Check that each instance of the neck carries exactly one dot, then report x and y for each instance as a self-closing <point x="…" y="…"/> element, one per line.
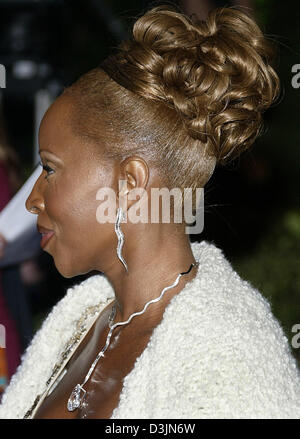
<point x="153" y="264"/>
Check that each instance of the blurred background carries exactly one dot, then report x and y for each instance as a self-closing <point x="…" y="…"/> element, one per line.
<point x="252" y="206"/>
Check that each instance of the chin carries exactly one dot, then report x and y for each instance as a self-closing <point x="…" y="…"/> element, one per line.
<point x="68" y="271"/>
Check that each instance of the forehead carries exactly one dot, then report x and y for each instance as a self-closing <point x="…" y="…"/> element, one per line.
<point x="57" y="136"/>
<point x="56" y="123"/>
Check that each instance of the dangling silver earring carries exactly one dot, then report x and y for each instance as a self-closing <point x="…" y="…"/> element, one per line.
<point x="120" y="235"/>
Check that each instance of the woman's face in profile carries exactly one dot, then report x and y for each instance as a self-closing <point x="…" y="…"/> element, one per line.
<point x="65" y="195"/>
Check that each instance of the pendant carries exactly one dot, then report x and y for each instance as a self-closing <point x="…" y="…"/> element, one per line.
<point x="76" y="398"/>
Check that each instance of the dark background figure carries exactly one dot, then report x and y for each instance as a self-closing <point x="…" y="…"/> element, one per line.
<point x="11" y="353"/>
<point x="252" y="206"/>
<point x="13" y="288"/>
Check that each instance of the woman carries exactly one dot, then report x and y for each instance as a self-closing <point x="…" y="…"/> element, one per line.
<point x="168" y="330"/>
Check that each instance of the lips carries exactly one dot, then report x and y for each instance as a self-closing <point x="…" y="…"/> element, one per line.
<point x="46" y="235"/>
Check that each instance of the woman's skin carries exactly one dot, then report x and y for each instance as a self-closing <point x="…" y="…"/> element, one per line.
<point x="64" y="199"/>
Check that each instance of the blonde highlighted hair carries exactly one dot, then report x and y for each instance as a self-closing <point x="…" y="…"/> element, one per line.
<point x="184" y="93"/>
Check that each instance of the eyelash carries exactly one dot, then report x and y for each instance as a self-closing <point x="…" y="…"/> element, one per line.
<point x="46" y="168"/>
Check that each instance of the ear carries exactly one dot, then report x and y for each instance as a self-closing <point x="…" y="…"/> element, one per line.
<point x="134" y="172"/>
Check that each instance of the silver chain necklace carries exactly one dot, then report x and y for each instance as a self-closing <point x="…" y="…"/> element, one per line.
<point x="78" y="394"/>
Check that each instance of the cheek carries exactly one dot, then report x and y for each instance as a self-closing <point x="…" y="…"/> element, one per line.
<point x="83" y="244"/>
<point x="76" y="218"/>
<point x="72" y="212"/>
<point x="74" y="242"/>
<point x="81" y="241"/>
<point x="69" y="205"/>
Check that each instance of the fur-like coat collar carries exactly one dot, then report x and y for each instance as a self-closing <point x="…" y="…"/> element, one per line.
<point x="218" y="352"/>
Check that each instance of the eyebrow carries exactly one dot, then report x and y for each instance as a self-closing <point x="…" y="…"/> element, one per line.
<point x="51" y="153"/>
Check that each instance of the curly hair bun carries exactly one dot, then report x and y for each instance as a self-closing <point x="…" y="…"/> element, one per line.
<point x="216" y="74"/>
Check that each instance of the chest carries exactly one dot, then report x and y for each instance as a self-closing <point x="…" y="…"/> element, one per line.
<point x="106" y="381"/>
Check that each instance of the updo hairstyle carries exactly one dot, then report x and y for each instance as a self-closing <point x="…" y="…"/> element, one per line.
<point x="184" y="94"/>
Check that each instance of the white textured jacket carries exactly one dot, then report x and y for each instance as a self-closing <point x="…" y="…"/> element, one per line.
<point x="218" y="352"/>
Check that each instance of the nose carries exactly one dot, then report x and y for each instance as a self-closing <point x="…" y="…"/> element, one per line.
<point x="35" y="201"/>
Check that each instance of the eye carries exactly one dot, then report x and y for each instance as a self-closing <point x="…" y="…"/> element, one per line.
<point x="47" y="169"/>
